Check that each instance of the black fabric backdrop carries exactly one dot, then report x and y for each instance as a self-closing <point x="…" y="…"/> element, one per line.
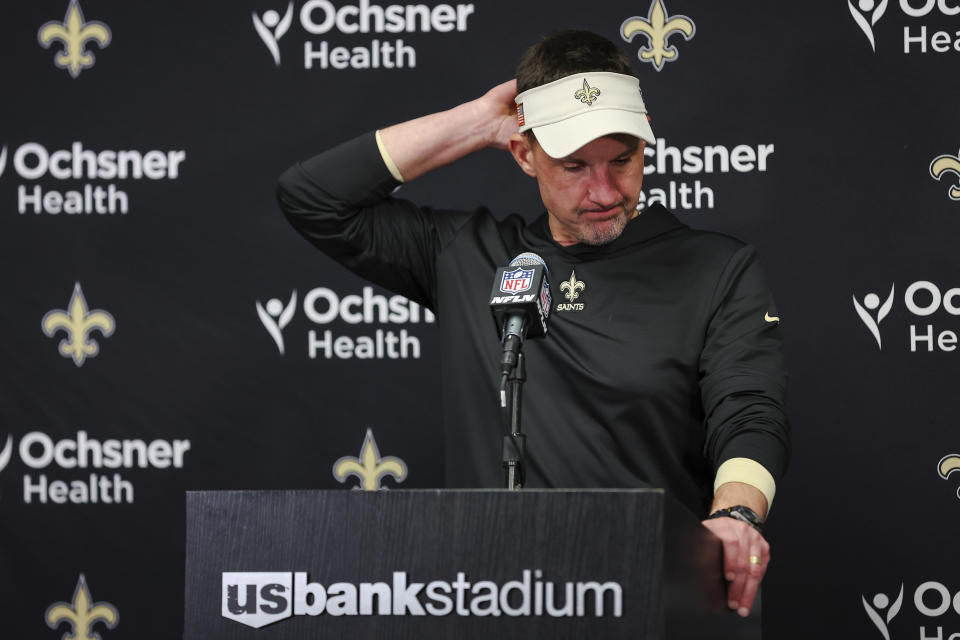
<point x="845" y="207"/>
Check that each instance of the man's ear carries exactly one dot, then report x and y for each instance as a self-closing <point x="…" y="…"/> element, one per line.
<point x="522" y="150"/>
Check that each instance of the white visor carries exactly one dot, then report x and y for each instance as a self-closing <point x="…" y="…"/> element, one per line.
<point x="570" y="112"/>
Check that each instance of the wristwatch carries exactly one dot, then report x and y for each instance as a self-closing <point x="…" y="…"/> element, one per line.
<point x="741" y="513"/>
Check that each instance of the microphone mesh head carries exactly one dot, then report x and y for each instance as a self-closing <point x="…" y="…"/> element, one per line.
<point x="528" y="259"/>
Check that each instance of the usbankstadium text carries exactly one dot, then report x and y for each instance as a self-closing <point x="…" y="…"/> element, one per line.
<point x="257" y="599"/>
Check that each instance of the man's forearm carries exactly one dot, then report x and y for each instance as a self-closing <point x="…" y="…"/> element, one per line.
<point x="424" y="144"/>
<point x="430" y="142"/>
<point x="731" y="494"/>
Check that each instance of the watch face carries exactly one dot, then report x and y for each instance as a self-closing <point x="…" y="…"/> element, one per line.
<point x="741" y="513"/>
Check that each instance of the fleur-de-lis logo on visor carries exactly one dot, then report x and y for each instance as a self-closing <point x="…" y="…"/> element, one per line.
<point x="658" y="28"/>
<point x="74" y="33"/>
<point x="588" y="95"/>
<point x="947" y="164"/>
<point x="78" y="321"/>
<point x="369" y="467"/>
<point x="81" y="614"/>
<point x="572" y="287"/>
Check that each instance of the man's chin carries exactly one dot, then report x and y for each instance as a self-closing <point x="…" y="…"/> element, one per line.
<point x="605" y="231"/>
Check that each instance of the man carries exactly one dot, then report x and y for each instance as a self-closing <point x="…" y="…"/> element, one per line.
<point x="663" y="369"/>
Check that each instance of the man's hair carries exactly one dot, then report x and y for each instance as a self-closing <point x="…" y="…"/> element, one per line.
<point x="564" y="53"/>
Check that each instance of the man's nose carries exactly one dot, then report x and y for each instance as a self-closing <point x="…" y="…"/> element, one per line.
<point x="602" y="189"/>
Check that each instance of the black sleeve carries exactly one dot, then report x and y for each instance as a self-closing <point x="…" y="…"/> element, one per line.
<point x="743" y="382"/>
<point x="340" y="201"/>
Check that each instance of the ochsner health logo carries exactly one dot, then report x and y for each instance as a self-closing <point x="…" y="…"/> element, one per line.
<point x="934" y="613"/>
<point x="361" y="34"/>
<point x="928" y="26"/>
<point x="271" y="28"/>
<point x="6" y="452"/>
<point x="867" y="13"/>
<point x="326" y="310"/>
<point x="871" y="302"/>
<point x="880" y="602"/>
<point x="922" y="299"/>
<point x="275" y="317"/>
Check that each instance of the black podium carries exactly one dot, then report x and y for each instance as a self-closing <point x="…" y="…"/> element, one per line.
<point x="427" y="564"/>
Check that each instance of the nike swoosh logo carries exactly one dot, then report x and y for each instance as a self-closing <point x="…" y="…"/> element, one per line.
<point x="770" y="318"/>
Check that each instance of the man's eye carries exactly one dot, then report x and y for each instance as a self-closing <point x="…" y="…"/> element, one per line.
<point x="622" y="161"/>
<point x="570" y="168"/>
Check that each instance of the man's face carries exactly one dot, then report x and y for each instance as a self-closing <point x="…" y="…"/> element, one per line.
<point x="591" y="194"/>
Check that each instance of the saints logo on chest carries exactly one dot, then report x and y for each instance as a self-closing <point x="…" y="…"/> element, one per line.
<point x="572" y="290"/>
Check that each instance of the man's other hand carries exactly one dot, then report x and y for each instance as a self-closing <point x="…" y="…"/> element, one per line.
<point x="740" y="543"/>
<point x="500" y="112"/>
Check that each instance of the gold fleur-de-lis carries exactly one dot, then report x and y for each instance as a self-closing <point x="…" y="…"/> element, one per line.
<point x="369" y="467"/>
<point x="78" y="322"/>
<point x="572" y="287"/>
<point x="74" y="33"/>
<point x="947" y="164"/>
<point x="658" y="29"/>
<point x="587" y="95"/>
<point x="81" y="615"/>
<point x="947" y="465"/>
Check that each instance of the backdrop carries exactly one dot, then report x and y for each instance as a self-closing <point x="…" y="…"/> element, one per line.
<point x="163" y="329"/>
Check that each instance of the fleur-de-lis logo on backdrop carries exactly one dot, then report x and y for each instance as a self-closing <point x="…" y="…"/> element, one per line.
<point x="944" y="164"/>
<point x="658" y="28"/>
<point x="74" y="33"/>
<point x="78" y="321"/>
<point x="881" y="602"/>
<point x="573" y="287"/>
<point x="588" y="95"/>
<point x="369" y="467"/>
<point x="81" y="615"/>
<point x="947" y="465"/>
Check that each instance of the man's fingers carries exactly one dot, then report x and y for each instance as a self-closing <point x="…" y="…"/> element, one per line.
<point x="734" y="567"/>
<point x="757" y="567"/>
<point x="505" y="92"/>
<point x="731" y="551"/>
<point x="740" y="544"/>
<point x="749" y="593"/>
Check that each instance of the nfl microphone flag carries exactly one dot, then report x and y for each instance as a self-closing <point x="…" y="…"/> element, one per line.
<point x="522" y="288"/>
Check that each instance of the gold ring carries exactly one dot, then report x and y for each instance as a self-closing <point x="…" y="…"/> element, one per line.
<point x="754" y="559"/>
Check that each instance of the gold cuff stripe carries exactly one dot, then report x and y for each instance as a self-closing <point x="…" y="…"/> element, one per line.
<point x="748" y="472"/>
<point x="387" y="160"/>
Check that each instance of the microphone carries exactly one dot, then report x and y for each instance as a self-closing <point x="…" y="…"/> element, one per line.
<point x="520" y="302"/>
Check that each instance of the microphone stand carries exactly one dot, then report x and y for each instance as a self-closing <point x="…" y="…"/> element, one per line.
<point x="515" y="442"/>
